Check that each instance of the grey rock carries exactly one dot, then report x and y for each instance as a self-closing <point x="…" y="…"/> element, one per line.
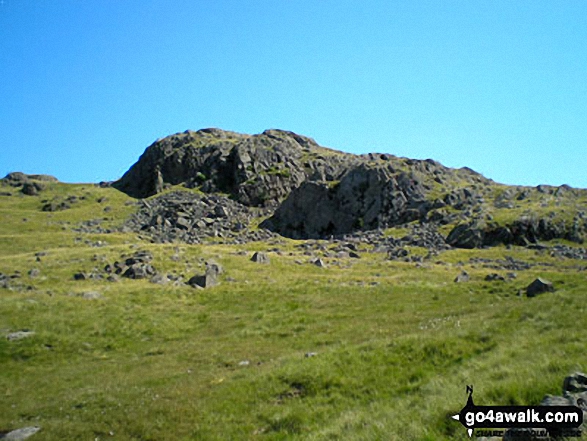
<point x="160" y="279"/>
<point x="20" y="434"/>
<point x="91" y="295"/>
<point x="203" y="281"/>
<point x="576" y="382"/>
<point x="493" y="277"/>
<point x="319" y="263"/>
<point x="19" y="335"/>
<point x="260" y="257"/>
<point x="463" y="276"/>
<point x="539" y="286"/>
<point x="32" y="188"/>
<point x="466" y="236"/>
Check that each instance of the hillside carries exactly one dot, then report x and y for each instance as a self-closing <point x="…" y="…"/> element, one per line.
<point x="263" y="287"/>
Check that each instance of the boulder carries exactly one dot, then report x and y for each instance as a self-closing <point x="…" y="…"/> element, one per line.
<point x="367" y="197"/>
<point x="463" y="276"/>
<point x="203" y="281"/>
<point x="20" y="434"/>
<point x="260" y="257"/>
<point x="539" y="286"/>
<point x="19" y="335"/>
<point x="468" y="236"/>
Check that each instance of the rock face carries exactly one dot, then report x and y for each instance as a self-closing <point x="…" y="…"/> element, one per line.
<point x="255" y="170"/>
<point x="366" y="198"/>
<point x="522" y="232"/>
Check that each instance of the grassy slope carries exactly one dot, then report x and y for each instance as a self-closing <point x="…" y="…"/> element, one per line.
<point x="395" y="344"/>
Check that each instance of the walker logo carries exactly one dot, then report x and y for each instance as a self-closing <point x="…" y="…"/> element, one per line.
<point x="550" y="419"/>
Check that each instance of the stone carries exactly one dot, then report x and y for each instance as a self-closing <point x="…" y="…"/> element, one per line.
<point x="160" y="279"/>
<point x="539" y="286"/>
<point x="203" y="281"/>
<point x="34" y="273"/>
<point x="463" y="276"/>
<point x="467" y="236"/>
<point x="91" y="295"/>
<point x="494" y="277"/>
<point x="32" y="188"/>
<point x="574" y="383"/>
<point x="20" y="434"/>
<point x="260" y="257"/>
<point x="319" y="263"/>
<point x="213" y="268"/>
<point x="19" y="335"/>
<point x="81" y="276"/>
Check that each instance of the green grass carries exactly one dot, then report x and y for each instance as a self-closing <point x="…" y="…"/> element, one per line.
<point x="395" y="343"/>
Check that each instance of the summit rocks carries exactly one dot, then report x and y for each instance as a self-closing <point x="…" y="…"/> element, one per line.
<point x="290" y="186"/>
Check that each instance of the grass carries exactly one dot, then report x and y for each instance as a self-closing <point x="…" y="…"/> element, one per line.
<point x="395" y="344"/>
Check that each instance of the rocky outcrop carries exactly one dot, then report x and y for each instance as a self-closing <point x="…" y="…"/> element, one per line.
<point x="366" y="198"/>
<point x="306" y="191"/>
<point x="524" y="231"/>
<point x="255" y="170"/>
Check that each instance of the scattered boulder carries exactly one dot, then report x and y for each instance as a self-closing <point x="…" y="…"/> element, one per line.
<point x="209" y="278"/>
<point x="203" y="281"/>
<point x="32" y="188"/>
<point x="20" y="434"/>
<point x="34" y="273"/>
<point x="91" y="295"/>
<point x="55" y="206"/>
<point x="493" y="277"/>
<point x="575" y="383"/>
<point x="463" y="276"/>
<point x="319" y="263"/>
<point x="19" y="335"/>
<point x="467" y="236"/>
<point x="260" y="257"/>
<point x="539" y="286"/>
<point x="160" y="279"/>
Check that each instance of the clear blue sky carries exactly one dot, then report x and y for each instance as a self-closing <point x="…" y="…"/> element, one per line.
<point x="496" y="85"/>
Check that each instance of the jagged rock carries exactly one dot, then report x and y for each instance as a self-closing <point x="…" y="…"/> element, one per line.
<point x="255" y="170"/>
<point x="539" y="286"/>
<point x="260" y="257"/>
<point x="324" y="192"/>
<point x="366" y="198"/>
<point x="466" y="236"/>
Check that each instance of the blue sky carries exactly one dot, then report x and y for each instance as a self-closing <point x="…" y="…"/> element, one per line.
<point x="499" y="86"/>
